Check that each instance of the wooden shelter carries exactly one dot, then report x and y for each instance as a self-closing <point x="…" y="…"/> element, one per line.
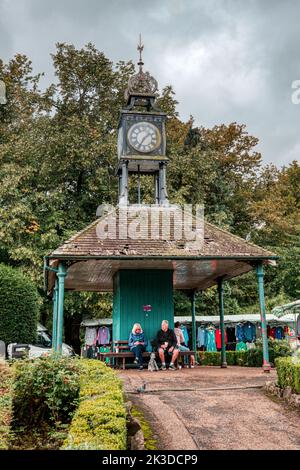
<point x="145" y="269"/>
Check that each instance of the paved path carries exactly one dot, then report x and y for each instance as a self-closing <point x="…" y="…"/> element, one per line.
<point x="213" y="408"/>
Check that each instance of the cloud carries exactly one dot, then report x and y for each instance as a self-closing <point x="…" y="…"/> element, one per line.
<point x="228" y="60"/>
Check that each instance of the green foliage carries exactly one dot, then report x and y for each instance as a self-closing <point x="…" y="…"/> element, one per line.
<point x="57" y="164"/>
<point x="45" y="391"/>
<point x="209" y="358"/>
<point x="288" y="373"/>
<point x="5" y="405"/>
<point x="250" y="358"/>
<point x="19" y="307"/>
<point x="100" y="420"/>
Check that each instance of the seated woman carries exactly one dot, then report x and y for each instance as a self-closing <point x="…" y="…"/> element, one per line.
<point x="137" y="343"/>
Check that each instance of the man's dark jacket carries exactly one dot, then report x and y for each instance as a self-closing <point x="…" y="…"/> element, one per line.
<point x="169" y="336"/>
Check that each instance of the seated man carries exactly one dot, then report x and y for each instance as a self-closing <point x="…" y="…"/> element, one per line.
<point x="167" y="344"/>
<point x="182" y="346"/>
<point x="137" y="343"/>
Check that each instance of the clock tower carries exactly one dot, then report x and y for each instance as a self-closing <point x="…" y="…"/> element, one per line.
<point x="142" y="136"/>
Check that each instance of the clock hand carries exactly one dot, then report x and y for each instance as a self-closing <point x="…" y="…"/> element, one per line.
<point x="147" y="135"/>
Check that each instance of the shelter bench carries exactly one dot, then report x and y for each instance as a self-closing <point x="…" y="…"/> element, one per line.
<point x="123" y="355"/>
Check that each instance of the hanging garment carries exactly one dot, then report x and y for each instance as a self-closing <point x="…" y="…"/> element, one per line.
<point x="250" y="346"/>
<point x="218" y="337"/>
<point x="201" y="337"/>
<point x="104" y="349"/>
<point x="210" y="340"/>
<point x="185" y="334"/>
<point x="230" y="331"/>
<point x="241" y="346"/>
<point x="258" y="332"/>
<point x="103" y="336"/>
<point x="239" y="332"/>
<point x="90" y="352"/>
<point x="279" y="332"/>
<point x="286" y="331"/>
<point x="291" y="332"/>
<point x="249" y="332"/>
<point x="272" y="332"/>
<point x="90" y="336"/>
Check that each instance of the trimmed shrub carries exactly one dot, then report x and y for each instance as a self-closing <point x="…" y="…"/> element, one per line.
<point x="19" y="307"/>
<point x="45" y="391"/>
<point x="231" y="358"/>
<point x="5" y="404"/>
<point x="209" y="358"/>
<point x="250" y="358"/>
<point x="100" y="420"/>
<point x="288" y="373"/>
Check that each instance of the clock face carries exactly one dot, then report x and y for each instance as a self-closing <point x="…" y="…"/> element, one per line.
<point x="144" y="137"/>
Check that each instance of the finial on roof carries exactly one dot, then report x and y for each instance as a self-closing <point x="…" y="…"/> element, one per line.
<point x="141" y="83"/>
<point x="140" y="48"/>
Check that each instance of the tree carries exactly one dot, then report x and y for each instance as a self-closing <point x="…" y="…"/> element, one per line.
<point x="57" y="164"/>
<point x="19" y="307"/>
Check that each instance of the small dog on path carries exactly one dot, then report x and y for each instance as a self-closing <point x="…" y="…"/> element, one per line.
<point x="152" y="365"/>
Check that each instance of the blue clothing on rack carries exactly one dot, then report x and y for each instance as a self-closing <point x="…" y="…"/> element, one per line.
<point x="240" y="333"/>
<point x="185" y="334"/>
<point x="201" y="337"/>
<point x="249" y="331"/>
<point x="279" y="332"/>
<point x="210" y="340"/>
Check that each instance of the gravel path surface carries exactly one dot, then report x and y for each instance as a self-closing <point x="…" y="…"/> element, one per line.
<point x="214" y="414"/>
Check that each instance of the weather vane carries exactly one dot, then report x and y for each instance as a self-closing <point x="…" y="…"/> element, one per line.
<point x="140" y="48"/>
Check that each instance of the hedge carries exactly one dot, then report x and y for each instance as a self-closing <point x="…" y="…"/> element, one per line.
<point x="5" y="404"/>
<point x="19" y="307"/>
<point x="250" y="358"/>
<point x="288" y="373"/>
<point x="99" y="423"/>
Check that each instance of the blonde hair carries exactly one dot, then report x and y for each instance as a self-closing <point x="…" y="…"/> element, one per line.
<point x="135" y="326"/>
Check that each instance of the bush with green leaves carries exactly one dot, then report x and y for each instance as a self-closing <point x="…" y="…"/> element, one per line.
<point x="6" y="378"/>
<point x="99" y="423"/>
<point x="45" y="391"/>
<point x="288" y="373"/>
<point x="19" y="307"/>
<point x="250" y="358"/>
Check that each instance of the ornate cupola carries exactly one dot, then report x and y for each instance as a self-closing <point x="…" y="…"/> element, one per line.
<point x="142" y="135"/>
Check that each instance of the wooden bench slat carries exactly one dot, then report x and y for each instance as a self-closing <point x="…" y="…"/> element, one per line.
<point x="129" y="354"/>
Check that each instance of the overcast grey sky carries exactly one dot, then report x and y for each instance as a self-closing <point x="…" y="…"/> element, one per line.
<point x="228" y="60"/>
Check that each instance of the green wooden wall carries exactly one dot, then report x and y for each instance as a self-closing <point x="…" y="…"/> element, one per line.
<point x="135" y="288"/>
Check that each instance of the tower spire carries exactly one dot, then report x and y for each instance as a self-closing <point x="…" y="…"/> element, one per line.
<point x="140" y="48"/>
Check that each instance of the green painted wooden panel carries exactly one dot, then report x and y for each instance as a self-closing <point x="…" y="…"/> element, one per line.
<point x="116" y="307"/>
<point x="133" y="289"/>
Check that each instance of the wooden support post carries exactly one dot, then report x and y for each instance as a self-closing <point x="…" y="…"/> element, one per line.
<point x="62" y="272"/>
<point x="222" y="328"/>
<point x="262" y="307"/>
